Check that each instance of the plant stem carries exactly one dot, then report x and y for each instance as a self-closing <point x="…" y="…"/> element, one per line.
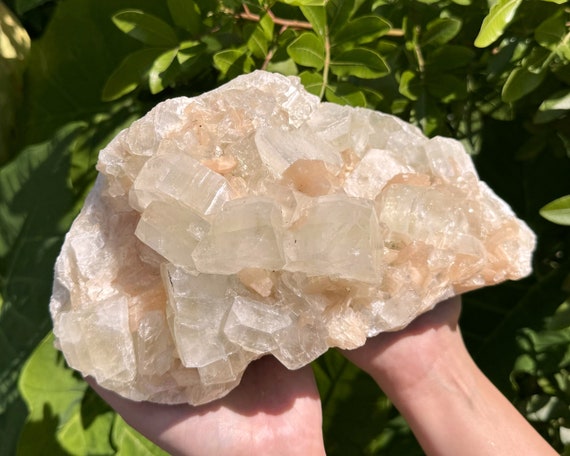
<point x="268" y="57"/>
<point x="563" y="42"/>
<point x="418" y="51"/>
<point x="327" y="62"/>
<point x="289" y="23"/>
<point x="249" y="16"/>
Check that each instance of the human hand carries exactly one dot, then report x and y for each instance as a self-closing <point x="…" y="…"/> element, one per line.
<point x="450" y="405"/>
<point x="273" y="411"/>
<point x="398" y="360"/>
<point x="424" y="369"/>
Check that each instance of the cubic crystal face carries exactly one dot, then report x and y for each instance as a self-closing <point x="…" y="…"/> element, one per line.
<point x="255" y="220"/>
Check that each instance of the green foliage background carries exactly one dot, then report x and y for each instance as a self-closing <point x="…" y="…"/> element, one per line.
<point x="494" y="75"/>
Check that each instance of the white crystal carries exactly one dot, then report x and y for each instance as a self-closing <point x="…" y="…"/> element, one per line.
<point x="335" y="236"/>
<point x="172" y="230"/>
<point x="279" y="148"/>
<point x="173" y="175"/>
<point x="246" y="233"/>
<point x="254" y="220"/>
<point x="108" y="347"/>
<point x="371" y="175"/>
<point x="251" y="324"/>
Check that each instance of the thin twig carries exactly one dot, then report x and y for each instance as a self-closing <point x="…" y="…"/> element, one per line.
<point x="249" y="16"/>
<point x="268" y="57"/>
<point x="286" y="23"/>
<point x="395" y="32"/>
<point x="326" y="63"/>
<point x="418" y="51"/>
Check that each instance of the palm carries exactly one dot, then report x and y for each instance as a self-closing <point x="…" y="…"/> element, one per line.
<point x="273" y="411"/>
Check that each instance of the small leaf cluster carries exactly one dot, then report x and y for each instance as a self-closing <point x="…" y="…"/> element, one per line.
<point x="531" y="57"/>
<point x="530" y="60"/>
<point x="171" y="49"/>
<point x="541" y="376"/>
<point x="415" y="57"/>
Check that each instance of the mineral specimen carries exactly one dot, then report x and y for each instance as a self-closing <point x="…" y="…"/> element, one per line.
<point x="256" y="220"/>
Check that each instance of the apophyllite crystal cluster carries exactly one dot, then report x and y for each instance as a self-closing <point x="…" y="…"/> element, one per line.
<point x="256" y="220"/>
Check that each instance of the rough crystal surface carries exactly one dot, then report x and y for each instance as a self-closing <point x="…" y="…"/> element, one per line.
<point x="256" y="220"/>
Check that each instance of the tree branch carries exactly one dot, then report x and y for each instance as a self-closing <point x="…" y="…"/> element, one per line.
<point x="289" y="23"/>
<point x="249" y="16"/>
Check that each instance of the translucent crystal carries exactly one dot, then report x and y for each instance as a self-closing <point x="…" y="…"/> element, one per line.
<point x="279" y="148"/>
<point x="108" y="347"/>
<point x="173" y="175"/>
<point x="196" y="318"/>
<point x="172" y="230"/>
<point x="255" y="220"/>
<point x="336" y="235"/>
<point x="251" y="324"/>
<point x="245" y="233"/>
<point x="374" y="171"/>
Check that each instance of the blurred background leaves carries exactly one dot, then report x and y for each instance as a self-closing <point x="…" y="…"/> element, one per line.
<point x="493" y="75"/>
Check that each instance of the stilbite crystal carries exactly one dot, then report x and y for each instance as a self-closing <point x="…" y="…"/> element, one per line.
<point x="256" y="220"/>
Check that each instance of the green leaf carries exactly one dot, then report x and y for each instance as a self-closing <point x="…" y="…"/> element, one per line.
<point x="31" y="233"/>
<point x="345" y="94"/>
<point x="146" y="28"/>
<point x="446" y="87"/>
<point x="313" y="82"/>
<point x="14" y="52"/>
<point x="23" y="6"/>
<point x="186" y="15"/>
<point x="130" y="73"/>
<point x="224" y="60"/>
<point x="339" y="13"/>
<point x="286" y="67"/>
<point x="554" y="107"/>
<point x="537" y="60"/>
<point x="233" y="62"/>
<point x="553" y="34"/>
<point x="130" y="442"/>
<point x="494" y="24"/>
<point x="32" y="227"/>
<point x="308" y="50"/>
<point x="496" y="315"/>
<point x="449" y="57"/>
<point x="440" y="31"/>
<point x="361" y="63"/>
<point x="363" y="29"/>
<point x="551" y="31"/>
<point x="410" y="85"/>
<point x="427" y="114"/>
<point x="68" y="67"/>
<point x="520" y="83"/>
<point x="562" y="73"/>
<point x="557" y="211"/>
<point x="317" y="17"/>
<point x="58" y="399"/>
<point x="189" y="50"/>
<point x="157" y="79"/>
<point x="354" y="410"/>
<point x="561" y="318"/>
<point x="260" y="38"/>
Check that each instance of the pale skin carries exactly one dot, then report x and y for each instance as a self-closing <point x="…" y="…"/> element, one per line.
<point x="424" y="369"/>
